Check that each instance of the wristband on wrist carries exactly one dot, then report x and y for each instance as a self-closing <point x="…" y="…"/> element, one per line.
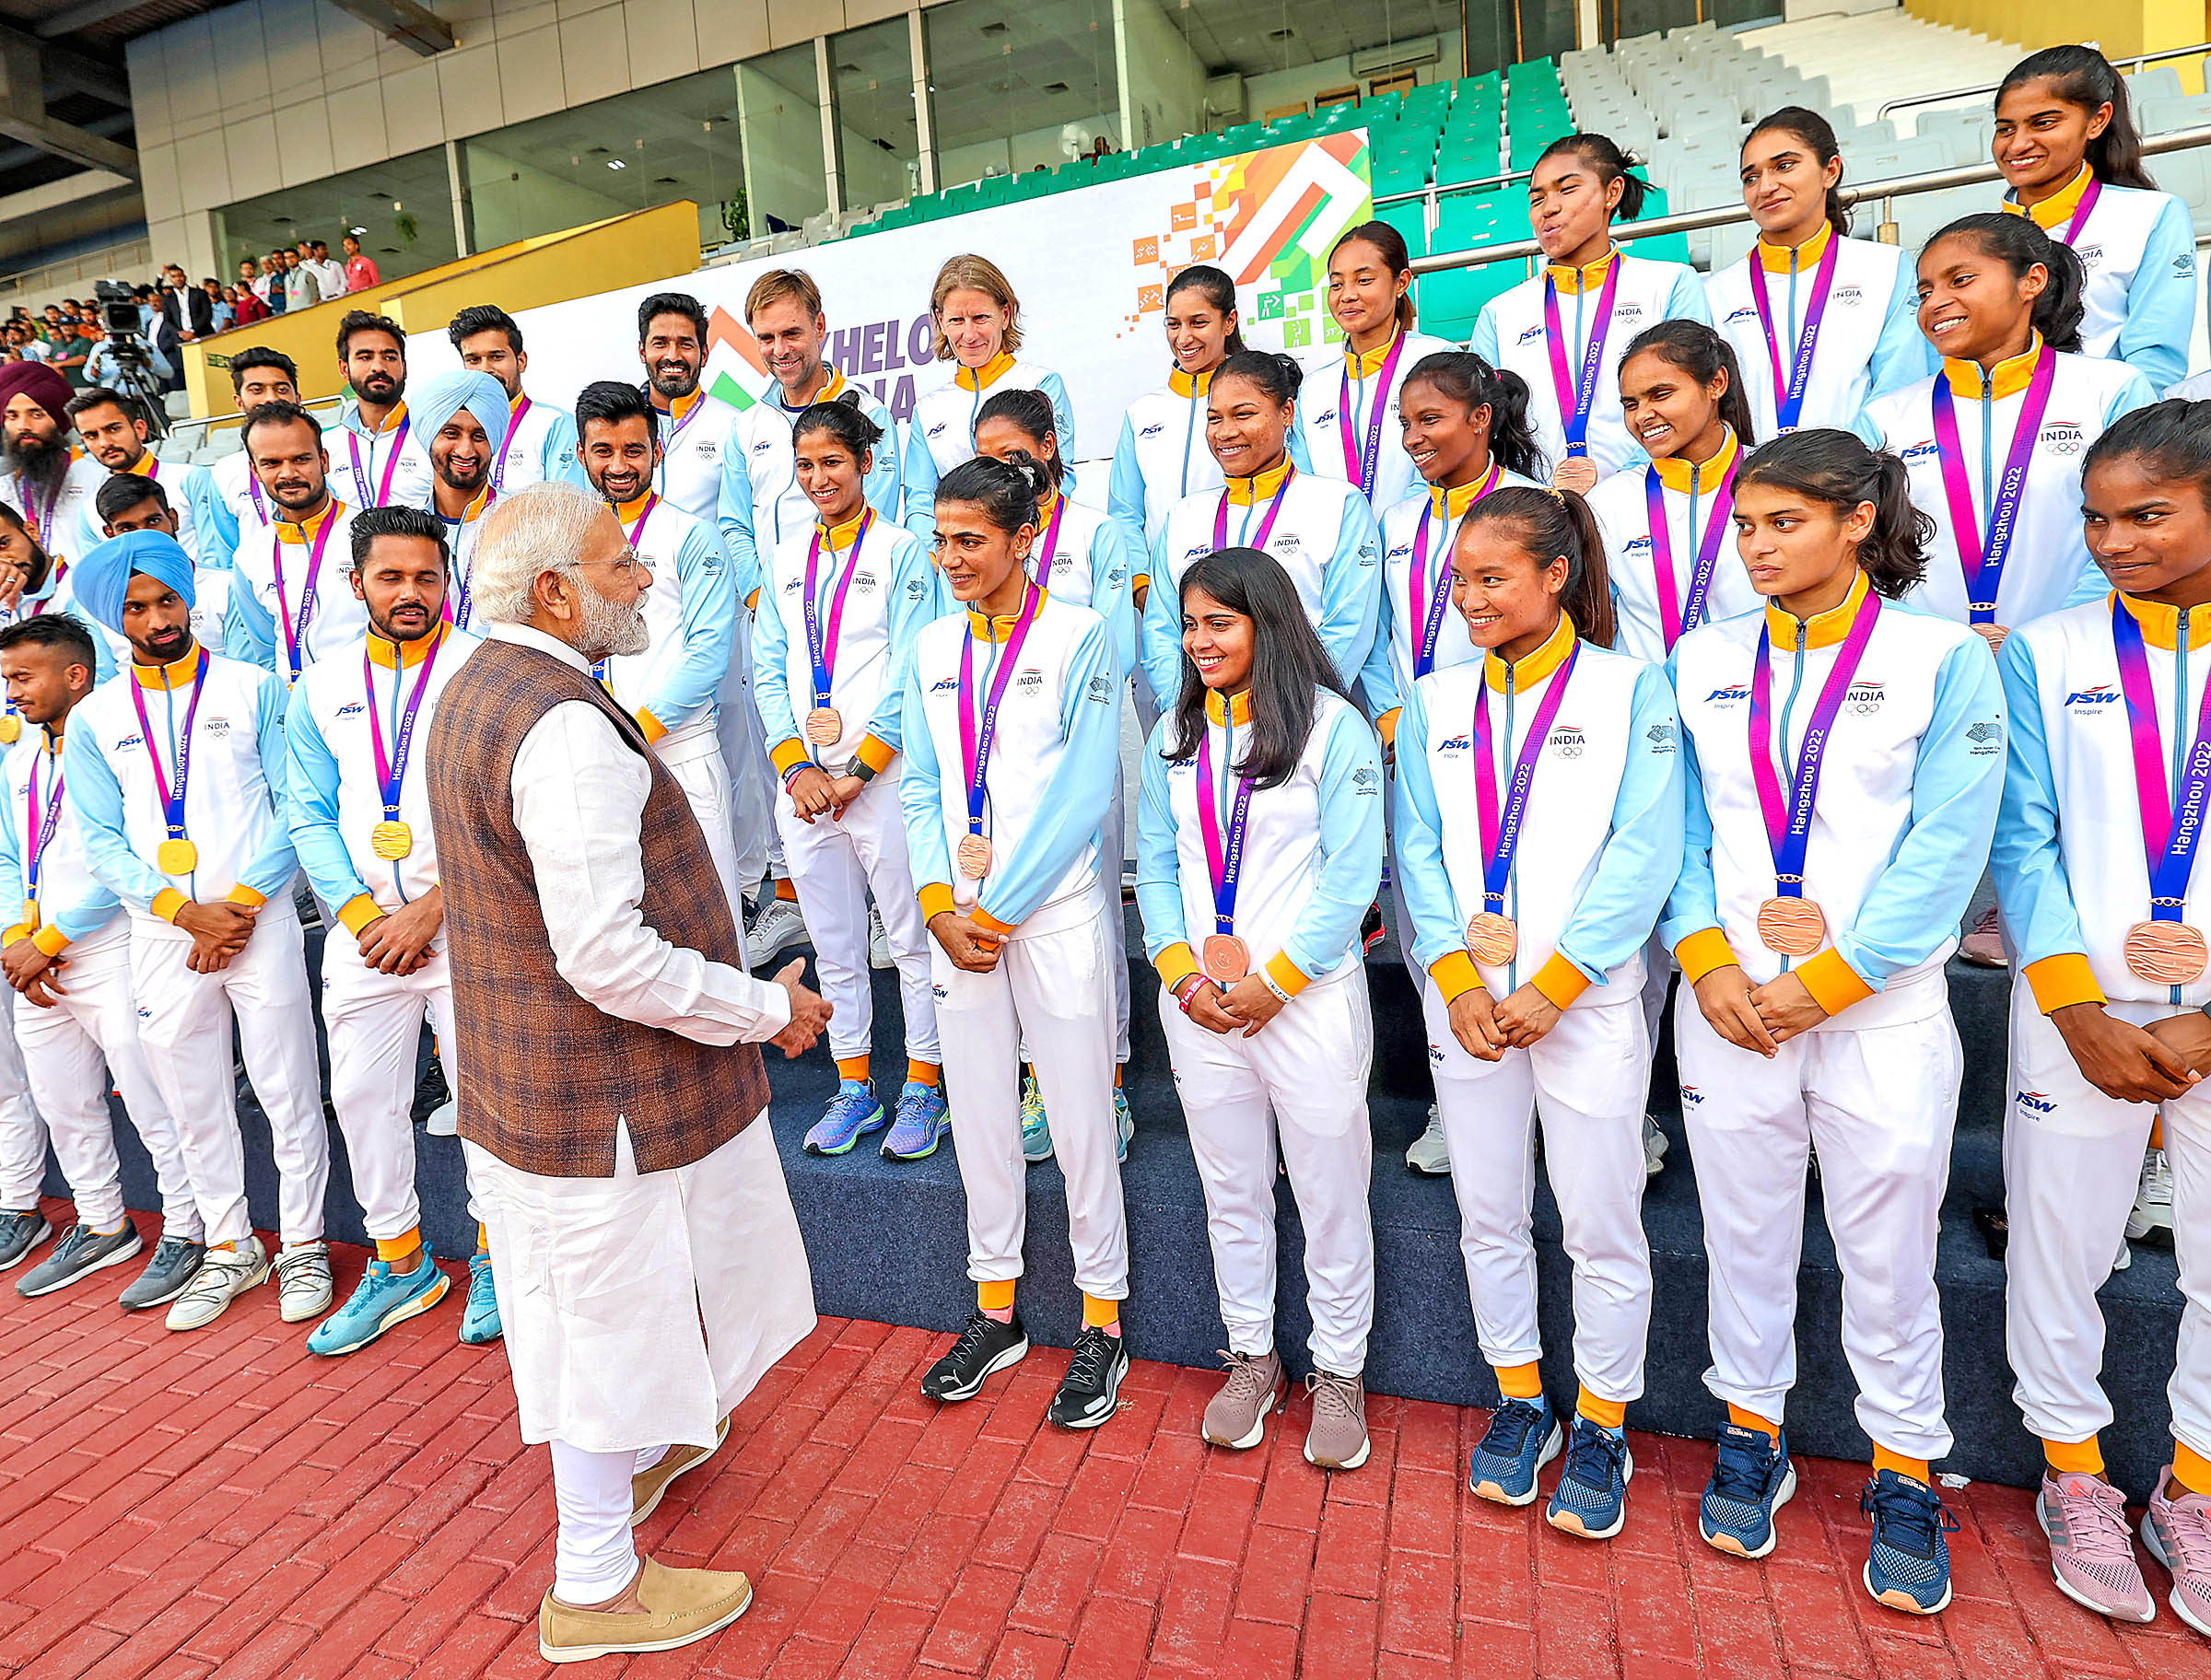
<point x="805" y="764"/>
<point x="1186" y="989"/>
<point x="1268" y="980"/>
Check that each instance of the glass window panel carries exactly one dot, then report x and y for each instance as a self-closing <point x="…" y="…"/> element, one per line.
<point x="873" y="69"/>
<point x="778" y="102"/>
<point x="1018" y="86"/>
<point x="403" y="207"/>
<point x="1291" y="53"/>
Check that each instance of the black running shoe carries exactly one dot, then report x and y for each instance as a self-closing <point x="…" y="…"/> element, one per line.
<point x="1092" y="1391"/>
<point x="985" y="1345"/>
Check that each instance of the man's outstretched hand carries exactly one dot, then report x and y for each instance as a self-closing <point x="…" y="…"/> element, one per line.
<point x="808" y="1012"/>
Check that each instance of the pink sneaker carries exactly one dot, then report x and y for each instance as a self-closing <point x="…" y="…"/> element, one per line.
<point x="1984" y="947"/>
<point x="2091" y="1552"/>
<point x="2178" y="1532"/>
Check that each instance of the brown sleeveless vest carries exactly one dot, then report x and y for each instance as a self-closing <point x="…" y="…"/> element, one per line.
<point x="543" y="1074"/>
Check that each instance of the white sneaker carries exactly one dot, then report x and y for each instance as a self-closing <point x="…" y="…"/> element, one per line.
<point x="774" y="930"/>
<point x="2127" y="1258"/>
<point x="303" y="1282"/>
<point x="223" y="1277"/>
<point x="1654" y="1145"/>
<point x="879" y="942"/>
<point x="1429" y="1153"/>
<point x="445" y="1120"/>
<point x="2153" y="1201"/>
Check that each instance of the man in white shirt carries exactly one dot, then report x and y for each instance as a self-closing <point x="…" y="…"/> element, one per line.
<point x="330" y="273"/>
<point x="381" y="460"/>
<point x="540" y="439"/>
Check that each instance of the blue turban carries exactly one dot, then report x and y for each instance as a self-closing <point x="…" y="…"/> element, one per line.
<point x="437" y="399"/>
<point x="102" y="577"/>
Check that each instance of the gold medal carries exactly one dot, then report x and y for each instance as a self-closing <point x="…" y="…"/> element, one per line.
<point x="2165" y="954"/>
<point x="1793" y="927"/>
<point x="824" y="725"/>
<point x="1225" y="958"/>
<point x="1492" y="939"/>
<point x="11" y="729"/>
<point x="975" y="856"/>
<point x="390" y="841"/>
<point x="176" y="856"/>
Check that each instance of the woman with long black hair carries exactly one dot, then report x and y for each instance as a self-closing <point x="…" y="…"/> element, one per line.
<point x="1161" y="456"/>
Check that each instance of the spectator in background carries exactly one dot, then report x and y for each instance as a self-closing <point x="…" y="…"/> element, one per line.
<point x="274" y="295"/>
<point x="34" y="348"/>
<point x="330" y="273"/>
<point x="248" y="305"/>
<point x="301" y="290"/>
<point x="70" y="352"/>
<point x="360" y="272"/>
<point x="188" y="309"/>
<point x="52" y="332"/>
<point x="219" y="311"/>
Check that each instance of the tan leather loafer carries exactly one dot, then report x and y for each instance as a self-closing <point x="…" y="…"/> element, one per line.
<point x="681" y="1606"/>
<point x="647" y="1486"/>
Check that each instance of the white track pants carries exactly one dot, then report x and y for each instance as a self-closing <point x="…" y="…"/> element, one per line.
<point x="375" y="1020"/>
<point x="1421" y="987"/>
<point x="184" y="1024"/>
<point x="694" y="760"/>
<point x="1587" y="1076"/>
<point x="1880" y="1105"/>
<point x="1052" y="991"/>
<point x="1115" y="853"/>
<point x="22" y="1134"/>
<point x="70" y="1051"/>
<point x="1300" y="1084"/>
<point x="756" y="848"/>
<point x="2072" y="1160"/>
<point x="835" y="865"/>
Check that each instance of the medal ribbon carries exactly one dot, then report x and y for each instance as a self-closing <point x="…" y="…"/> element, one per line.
<point x="2080" y="211"/>
<point x="1223" y="855"/>
<point x="295" y="630"/>
<point x="1673" y="620"/>
<point x="1577" y="396"/>
<point x="1501" y="830"/>
<point x="1428" y="601"/>
<point x="821" y="645"/>
<point x="1983" y="557"/>
<point x="514" y="424"/>
<point x="1266" y="525"/>
<point x="1051" y="540"/>
<point x="353" y="449"/>
<point x="172" y="797"/>
<point x="1789" y="389"/>
<point x="652" y="500"/>
<point x="975" y="737"/>
<point x="392" y="770"/>
<point x="1789" y="823"/>
<point x="2177" y="826"/>
<point x="1359" y="463"/>
<point x="41" y="828"/>
<point x="459" y="614"/>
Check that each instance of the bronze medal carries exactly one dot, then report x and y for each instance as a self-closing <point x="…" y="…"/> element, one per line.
<point x="1492" y="939"/>
<point x="1225" y="958"/>
<point x="1793" y="927"/>
<point x="975" y="856"/>
<point x="824" y="725"/>
<point x="176" y="856"/>
<point x="2165" y="954"/>
<point x="390" y="841"/>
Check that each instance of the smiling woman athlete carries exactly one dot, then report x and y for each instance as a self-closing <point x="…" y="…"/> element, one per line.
<point x="1161" y="457"/>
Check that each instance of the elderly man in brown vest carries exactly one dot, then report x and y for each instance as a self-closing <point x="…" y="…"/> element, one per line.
<point x="612" y="1095"/>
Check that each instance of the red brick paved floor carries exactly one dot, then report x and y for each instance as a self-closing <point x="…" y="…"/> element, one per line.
<point x="224" y="1503"/>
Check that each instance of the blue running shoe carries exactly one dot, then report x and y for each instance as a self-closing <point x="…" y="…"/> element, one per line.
<point x="1751" y="1479"/>
<point x="921" y="1124"/>
<point x="480" y="1319"/>
<point x="1036" y="1130"/>
<point x="1124" y="1124"/>
<point x="1591" y="1498"/>
<point x="1521" y="1438"/>
<point x="1909" y="1566"/>
<point x="853" y="1113"/>
<point x="383" y="1298"/>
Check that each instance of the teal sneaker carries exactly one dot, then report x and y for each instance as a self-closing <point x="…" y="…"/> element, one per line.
<point x="1124" y="1124"/>
<point x="480" y="1317"/>
<point x="921" y="1124"/>
<point x="1036" y="1130"/>
<point x="853" y="1113"/>
<point x="383" y="1298"/>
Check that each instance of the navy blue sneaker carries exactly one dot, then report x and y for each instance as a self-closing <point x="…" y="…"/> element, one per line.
<point x="1751" y="1479"/>
<point x="1523" y="1436"/>
<point x="1909" y="1566"/>
<point x="1591" y="1498"/>
<point x="852" y="1113"/>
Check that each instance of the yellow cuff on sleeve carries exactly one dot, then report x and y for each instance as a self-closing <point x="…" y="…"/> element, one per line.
<point x="1455" y="976"/>
<point x="1833" y="983"/>
<point x="876" y="754"/>
<point x="21" y="930"/>
<point x="1140" y="583"/>
<point x="2060" y="981"/>
<point x="1286" y="974"/>
<point x="1558" y="980"/>
<point x="1388" y="724"/>
<point x="751" y="601"/>
<point x="246" y="896"/>
<point x="51" y="940"/>
<point x="989" y="924"/>
<point x="168" y="902"/>
<point x="654" y="729"/>
<point x="1175" y="964"/>
<point x="358" y="912"/>
<point x="787" y="755"/>
<point x="936" y="899"/>
<point x="1703" y="951"/>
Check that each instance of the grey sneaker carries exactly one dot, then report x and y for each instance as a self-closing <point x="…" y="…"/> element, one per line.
<point x="176" y="1262"/>
<point x="224" y="1276"/>
<point x="2153" y="1201"/>
<point x="1654" y="1145"/>
<point x="1237" y="1417"/>
<point x="81" y="1252"/>
<point x="445" y="1120"/>
<point x="303" y="1288"/>
<point x="879" y="942"/>
<point x="19" y="1233"/>
<point x="1337" y="1439"/>
<point x="1429" y="1153"/>
<point x="774" y="930"/>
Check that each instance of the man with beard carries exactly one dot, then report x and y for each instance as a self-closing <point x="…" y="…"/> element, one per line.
<point x="464" y="416"/>
<point x="612" y="1099"/>
<point x="258" y="375"/>
<point x="540" y="439"/>
<point x="175" y="771"/>
<point x="287" y="609"/>
<point x="668" y="681"/>
<point x="360" y="819"/>
<point x="387" y="461"/>
<point x="108" y="426"/>
<point x="53" y="491"/>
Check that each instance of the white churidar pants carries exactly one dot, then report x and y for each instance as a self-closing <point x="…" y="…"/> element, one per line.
<point x="22" y="1134"/>
<point x="593" y="1554"/>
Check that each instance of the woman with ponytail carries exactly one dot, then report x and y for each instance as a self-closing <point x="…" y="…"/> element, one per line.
<point x="1844" y="758"/>
<point x="1822" y="321"/>
<point x="1564" y="330"/>
<point x="1536" y="848"/>
<point x="1349" y="417"/>
<point x="1161" y="457"/>
<point x="2065" y="142"/>
<point x="1011" y="735"/>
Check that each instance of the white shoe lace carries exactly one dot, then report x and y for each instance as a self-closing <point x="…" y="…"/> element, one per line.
<point x="302" y="1272"/>
<point x="218" y="1275"/>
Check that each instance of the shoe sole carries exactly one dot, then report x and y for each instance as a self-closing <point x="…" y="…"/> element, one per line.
<point x="1568" y="1523"/>
<point x="943" y="1126"/>
<point x="1258" y="1426"/>
<point x="10" y="1265"/>
<point x="1011" y="1356"/>
<point x="1442" y="1172"/>
<point x="585" y="1653"/>
<point x="396" y="1316"/>
<point x="1895" y="1598"/>
<point x="2118" y="1613"/>
<point x="2138" y="1228"/>
<point x="875" y="1123"/>
<point x="1351" y="1463"/>
<point x="1113" y="1399"/>
<point x="2179" y="1605"/>
<point x="467" y="1340"/>
<point x="260" y="1276"/>
<point x="117" y="1258"/>
<point x="1034" y="1160"/>
<point x="1554" y="1445"/>
<point x="721" y="1434"/>
<point x="1736" y="1548"/>
<point x="299" y="1315"/>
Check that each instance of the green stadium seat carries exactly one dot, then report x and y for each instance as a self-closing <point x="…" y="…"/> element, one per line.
<point x="1449" y="300"/>
<point x="1410" y="219"/>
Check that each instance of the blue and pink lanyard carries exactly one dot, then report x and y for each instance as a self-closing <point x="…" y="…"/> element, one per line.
<point x="1983" y="557"/>
<point x="1266" y="529"/>
<point x="1789" y="818"/>
<point x="1041" y="553"/>
<point x="41" y="820"/>
<point x="1361" y="462"/>
<point x="822" y="639"/>
<point x="1500" y="825"/>
<point x="1426" y="601"/>
<point x="1578" y="395"/>
<point x="353" y="449"/>
<point x="977" y="734"/>
<point x="1789" y="387"/>
<point x="514" y="426"/>
<point x="2171" y="828"/>
<point x="391" y="768"/>
<point x="652" y="500"/>
<point x="295" y="629"/>
<point x="1223" y="846"/>
<point x="1673" y="620"/>
<point x="167" y="790"/>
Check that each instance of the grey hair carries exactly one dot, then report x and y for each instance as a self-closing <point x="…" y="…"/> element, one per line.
<point x="537" y="530"/>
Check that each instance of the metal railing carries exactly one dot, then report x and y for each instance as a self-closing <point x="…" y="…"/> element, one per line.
<point x="2200" y="50"/>
<point x="131" y="255"/>
<point x="180" y="427"/>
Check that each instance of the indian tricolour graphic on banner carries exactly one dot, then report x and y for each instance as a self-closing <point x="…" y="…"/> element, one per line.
<point x="1091" y="267"/>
